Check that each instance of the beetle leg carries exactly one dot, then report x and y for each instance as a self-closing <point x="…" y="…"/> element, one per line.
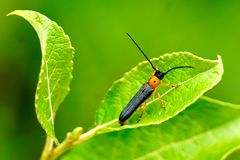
<point x="171" y="85"/>
<point x="167" y="84"/>
<point x="143" y="108"/>
<point x="154" y="93"/>
<point x="161" y="101"/>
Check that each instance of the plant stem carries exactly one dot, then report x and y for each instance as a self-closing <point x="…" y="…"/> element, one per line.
<point x="47" y="148"/>
<point x="69" y="143"/>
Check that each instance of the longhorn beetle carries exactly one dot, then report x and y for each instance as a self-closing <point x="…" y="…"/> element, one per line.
<point x="146" y="90"/>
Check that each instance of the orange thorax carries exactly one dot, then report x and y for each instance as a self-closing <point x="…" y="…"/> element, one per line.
<point x="154" y="82"/>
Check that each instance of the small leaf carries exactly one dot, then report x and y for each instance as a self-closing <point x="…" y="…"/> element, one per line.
<point x="207" y="129"/>
<point x="56" y="69"/>
<point x="193" y="82"/>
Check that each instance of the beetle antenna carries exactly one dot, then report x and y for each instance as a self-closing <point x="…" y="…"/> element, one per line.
<point x="141" y="51"/>
<point x="177" y="68"/>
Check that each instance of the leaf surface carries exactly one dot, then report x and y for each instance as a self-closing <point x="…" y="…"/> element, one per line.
<point x="207" y="129"/>
<point x="56" y="68"/>
<point x="192" y="83"/>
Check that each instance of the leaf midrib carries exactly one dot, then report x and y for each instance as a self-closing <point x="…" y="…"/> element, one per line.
<point x="49" y="94"/>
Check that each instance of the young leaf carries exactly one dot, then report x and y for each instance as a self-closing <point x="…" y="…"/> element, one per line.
<point x="56" y="69"/>
<point x="207" y="129"/>
<point x="192" y="83"/>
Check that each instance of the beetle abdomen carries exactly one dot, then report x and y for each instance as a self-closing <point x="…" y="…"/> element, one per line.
<point x="144" y="92"/>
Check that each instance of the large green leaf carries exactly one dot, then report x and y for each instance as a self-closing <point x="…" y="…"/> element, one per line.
<point x="207" y="129"/>
<point x="56" y="69"/>
<point x="193" y="82"/>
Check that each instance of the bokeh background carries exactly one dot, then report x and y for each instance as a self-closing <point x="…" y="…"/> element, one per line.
<point x="103" y="54"/>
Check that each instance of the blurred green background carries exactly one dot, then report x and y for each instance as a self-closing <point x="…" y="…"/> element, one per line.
<point x="103" y="54"/>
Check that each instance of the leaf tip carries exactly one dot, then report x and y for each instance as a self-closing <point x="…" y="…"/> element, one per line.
<point x="219" y="57"/>
<point x="11" y="13"/>
<point x="15" y="12"/>
<point x="221" y="63"/>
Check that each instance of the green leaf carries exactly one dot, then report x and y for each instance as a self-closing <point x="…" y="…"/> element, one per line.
<point x="193" y="82"/>
<point x="56" y="69"/>
<point x="233" y="154"/>
<point x="207" y="129"/>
